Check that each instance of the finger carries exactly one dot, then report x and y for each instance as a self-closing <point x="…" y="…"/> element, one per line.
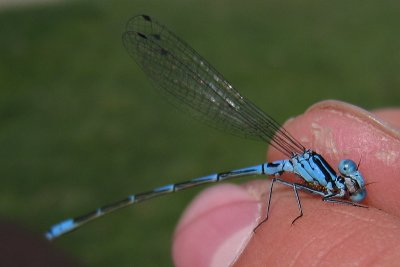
<point x="216" y="226"/>
<point x="327" y="235"/>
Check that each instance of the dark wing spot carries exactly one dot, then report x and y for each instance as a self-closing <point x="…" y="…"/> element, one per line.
<point x="146" y="17"/>
<point x="142" y="35"/>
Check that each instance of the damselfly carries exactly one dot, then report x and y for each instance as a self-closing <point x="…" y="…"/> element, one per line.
<point x="195" y="86"/>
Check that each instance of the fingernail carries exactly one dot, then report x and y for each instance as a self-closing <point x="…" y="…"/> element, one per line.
<point x="216" y="226"/>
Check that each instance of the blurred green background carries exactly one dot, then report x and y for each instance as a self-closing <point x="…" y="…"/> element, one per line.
<point x="80" y="125"/>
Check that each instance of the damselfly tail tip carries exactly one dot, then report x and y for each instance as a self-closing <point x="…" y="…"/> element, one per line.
<point x="49" y="236"/>
<point x="59" y="229"/>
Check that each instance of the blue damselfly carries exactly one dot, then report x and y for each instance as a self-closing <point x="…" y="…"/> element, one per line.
<point x="189" y="81"/>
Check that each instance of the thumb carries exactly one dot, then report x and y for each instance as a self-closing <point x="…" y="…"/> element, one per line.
<point x="216" y="226"/>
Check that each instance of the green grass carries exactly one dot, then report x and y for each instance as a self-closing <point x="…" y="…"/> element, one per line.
<point x="80" y="125"/>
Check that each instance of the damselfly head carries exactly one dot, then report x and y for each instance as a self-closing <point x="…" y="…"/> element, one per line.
<point x="353" y="180"/>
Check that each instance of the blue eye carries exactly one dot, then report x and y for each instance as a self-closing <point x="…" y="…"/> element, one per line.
<point x="347" y="167"/>
<point x="359" y="196"/>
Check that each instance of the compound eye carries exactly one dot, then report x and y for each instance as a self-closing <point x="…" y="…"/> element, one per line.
<point x="358" y="196"/>
<point x="347" y="167"/>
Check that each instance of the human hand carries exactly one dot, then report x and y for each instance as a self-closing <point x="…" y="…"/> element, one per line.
<point x="217" y="227"/>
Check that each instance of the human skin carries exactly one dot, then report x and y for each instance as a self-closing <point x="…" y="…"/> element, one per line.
<point x="217" y="227"/>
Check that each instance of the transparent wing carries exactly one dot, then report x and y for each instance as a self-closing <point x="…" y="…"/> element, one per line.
<point x="190" y="82"/>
